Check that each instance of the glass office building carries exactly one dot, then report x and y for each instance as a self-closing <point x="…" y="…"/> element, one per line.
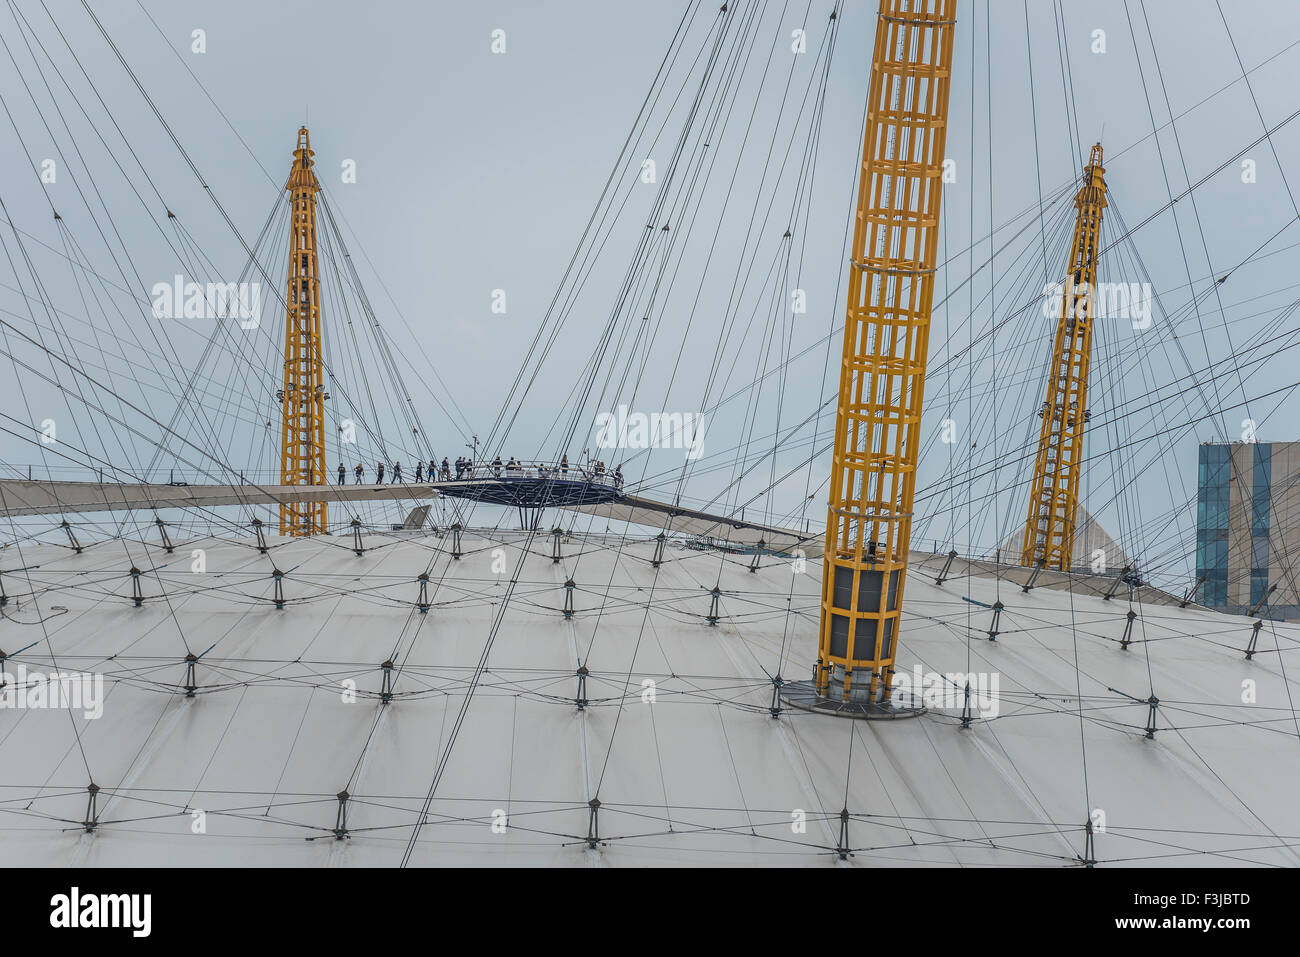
<point x="1245" y="515"/>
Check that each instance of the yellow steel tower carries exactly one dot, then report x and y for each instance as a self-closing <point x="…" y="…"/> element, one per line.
<point x="302" y="433"/>
<point x="1049" y="529"/>
<point x="886" y="333"/>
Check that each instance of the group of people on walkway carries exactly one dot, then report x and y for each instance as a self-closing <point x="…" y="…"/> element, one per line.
<point x="432" y="474"/>
<point x="465" y="468"/>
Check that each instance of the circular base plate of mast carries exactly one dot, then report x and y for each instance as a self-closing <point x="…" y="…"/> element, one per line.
<point x="803" y="695"/>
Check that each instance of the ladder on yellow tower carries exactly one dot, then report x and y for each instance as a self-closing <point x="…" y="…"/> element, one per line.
<point x="886" y="337"/>
<point x="302" y="432"/>
<point x="1054" y="495"/>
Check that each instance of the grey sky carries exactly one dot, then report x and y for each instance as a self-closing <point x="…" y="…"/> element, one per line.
<point x="477" y="172"/>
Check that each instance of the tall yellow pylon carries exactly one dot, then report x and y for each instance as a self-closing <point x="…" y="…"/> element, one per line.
<point x="886" y="336"/>
<point x="1054" y="496"/>
<point x="302" y="433"/>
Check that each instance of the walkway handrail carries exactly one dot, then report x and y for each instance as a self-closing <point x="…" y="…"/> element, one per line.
<point x="555" y="471"/>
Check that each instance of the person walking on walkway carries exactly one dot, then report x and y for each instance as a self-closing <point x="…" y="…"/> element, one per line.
<point x="358" y="472"/>
<point x="380" y="470"/>
<point x="343" y="474"/>
<point x="397" y="473"/>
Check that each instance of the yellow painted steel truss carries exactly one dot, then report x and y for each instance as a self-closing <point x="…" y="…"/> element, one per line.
<point x="886" y="337"/>
<point x="1054" y="496"/>
<point x="302" y="433"/>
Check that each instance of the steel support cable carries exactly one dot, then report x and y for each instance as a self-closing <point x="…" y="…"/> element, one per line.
<point x="96" y="343"/>
<point x="125" y="140"/>
<point x="1217" y="287"/>
<point x="719" y="118"/>
<point x="985" y="407"/>
<point x="1067" y="79"/>
<point x="468" y="698"/>
<point x="226" y="119"/>
<point x="1064" y="189"/>
<point x="280" y="206"/>
<point x="17" y="14"/>
<point x="119" y="422"/>
<point x="71" y="341"/>
<point x="622" y="543"/>
<point x="31" y="266"/>
<point x="1113" y="380"/>
<point x="930" y="494"/>
<point x="26" y="570"/>
<point x="44" y="299"/>
<point x="353" y="366"/>
<point x="185" y="155"/>
<point x="655" y="216"/>
<point x="742" y="271"/>
<point x="471" y="686"/>
<point x="1129" y="232"/>
<point x="719" y="98"/>
<point x="403" y="395"/>
<point x="814" y="149"/>
<point x="374" y="431"/>
<point x="784" y="250"/>
<point x="80" y="394"/>
<point x="1286" y="559"/>
<point x="1171" y="429"/>
<point x="715" y="56"/>
<point x="689" y="228"/>
<point x="826" y="340"/>
<point x="1179" y="393"/>
<point x="650" y="99"/>
<point x="1028" y="336"/>
<point x="94" y="184"/>
<point x="1218" y="777"/>
<point x="613" y="735"/>
<point x="1231" y="160"/>
<point x="1136" y="257"/>
<point x="676" y="213"/>
<point x="464" y="424"/>
<point x="704" y="134"/>
<point x="1130" y="481"/>
<point x="57" y="380"/>
<point x="1182" y="246"/>
<point x="802" y="200"/>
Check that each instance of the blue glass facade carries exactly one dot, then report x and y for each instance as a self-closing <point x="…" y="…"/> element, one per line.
<point x="1213" y="498"/>
<point x="1214" y="473"/>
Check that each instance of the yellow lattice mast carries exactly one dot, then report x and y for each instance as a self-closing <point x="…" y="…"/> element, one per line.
<point x="886" y="335"/>
<point x="1054" y="496"/>
<point x="302" y="433"/>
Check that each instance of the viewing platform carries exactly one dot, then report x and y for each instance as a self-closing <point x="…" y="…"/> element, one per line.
<point x="535" y="486"/>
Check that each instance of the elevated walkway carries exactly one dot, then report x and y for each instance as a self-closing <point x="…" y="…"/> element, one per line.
<point x="38" y="497"/>
<point x="526" y="490"/>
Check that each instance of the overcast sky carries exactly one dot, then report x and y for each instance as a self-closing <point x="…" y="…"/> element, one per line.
<point x="476" y="171"/>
